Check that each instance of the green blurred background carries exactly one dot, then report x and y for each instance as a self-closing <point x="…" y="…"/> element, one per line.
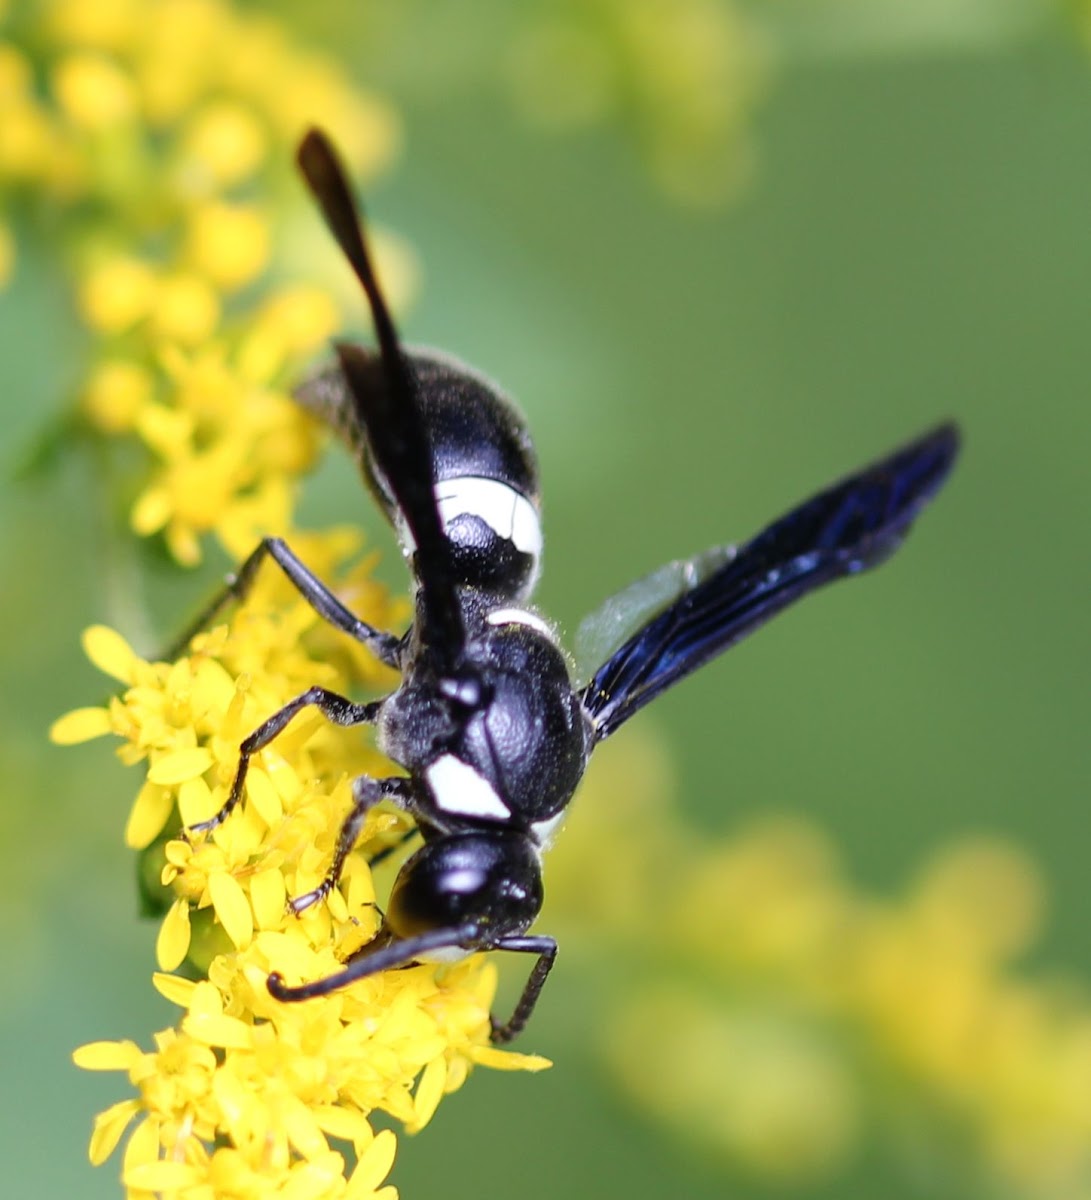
<point x="913" y="244"/>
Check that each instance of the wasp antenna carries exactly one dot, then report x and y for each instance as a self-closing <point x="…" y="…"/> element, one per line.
<point x="383" y="954"/>
<point x="326" y="177"/>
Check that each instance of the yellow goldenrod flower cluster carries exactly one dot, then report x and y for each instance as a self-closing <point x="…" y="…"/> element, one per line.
<point x="246" y="1095"/>
<point x="791" y="1014"/>
<point x="157" y="137"/>
<point x="153" y="143"/>
<point x="686" y="74"/>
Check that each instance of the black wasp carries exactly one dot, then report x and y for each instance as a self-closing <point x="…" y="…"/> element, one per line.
<point x="486" y="720"/>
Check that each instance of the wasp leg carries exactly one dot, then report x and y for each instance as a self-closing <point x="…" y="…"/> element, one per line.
<point x="366" y="793"/>
<point x="385" y="957"/>
<point x="385" y="646"/>
<point x="338" y="709"/>
<point x="546" y="949"/>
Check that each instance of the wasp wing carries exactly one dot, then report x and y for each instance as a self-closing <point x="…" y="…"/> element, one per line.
<point x="384" y="395"/>
<point x="605" y="630"/>
<point x="848" y="528"/>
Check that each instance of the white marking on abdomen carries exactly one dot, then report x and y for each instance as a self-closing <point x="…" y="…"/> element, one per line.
<point x="458" y="788"/>
<point x="543" y="832"/>
<point x="506" y="512"/>
<point x="519" y="616"/>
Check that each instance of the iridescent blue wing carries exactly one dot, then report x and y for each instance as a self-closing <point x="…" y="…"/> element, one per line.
<point x="384" y="395"/>
<point x="852" y="526"/>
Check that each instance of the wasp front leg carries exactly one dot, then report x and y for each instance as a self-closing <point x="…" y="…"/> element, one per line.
<point x="338" y="709"/>
<point x="366" y="793"/>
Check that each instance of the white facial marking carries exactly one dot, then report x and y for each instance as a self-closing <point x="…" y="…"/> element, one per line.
<point x="458" y="788"/>
<point x="507" y="513"/>
<point x="519" y="616"/>
<point x="545" y="831"/>
<point x="447" y="954"/>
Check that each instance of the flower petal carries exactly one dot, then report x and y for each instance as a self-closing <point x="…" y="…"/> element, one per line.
<point x="107" y="1056"/>
<point x="110" y="652"/>
<point x="172" y="944"/>
<point x="179" y="766"/>
<point x="80" y="725"/>
<point x="174" y="988"/>
<point x="373" y="1165"/>
<point x="232" y="907"/>
<point x="163" y="1175"/>
<point x="109" y="1126"/>
<point x="429" y="1092"/>
<point x="508" y="1060"/>
<point x="148" y="816"/>
<point x="268" y="896"/>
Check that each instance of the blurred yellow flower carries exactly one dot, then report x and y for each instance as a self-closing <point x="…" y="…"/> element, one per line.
<point x="150" y="126"/>
<point x="229" y="244"/>
<point x="117" y="294"/>
<point x="92" y="92"/>
<point x="687" y="74"/>
<point x="799" y="1004"/>
<point x="223" y="144"/>
<point x="115" y="393"/>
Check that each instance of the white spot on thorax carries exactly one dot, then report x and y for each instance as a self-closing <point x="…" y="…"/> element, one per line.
<point x="545" y="831"/>
<point x="519" y="616"/>
<point x="458" y="788"/>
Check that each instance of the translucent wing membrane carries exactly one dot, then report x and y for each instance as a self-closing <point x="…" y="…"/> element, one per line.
<point x="603" y="631"/>
<point x="852" y="526"/>
<point x="388" y="409"/>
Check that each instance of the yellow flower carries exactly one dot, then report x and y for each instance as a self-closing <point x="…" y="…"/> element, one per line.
<point x="229" y="244"/>
<point x="224" y="142"/>
<point x="685" y="73"/>
<point x="229" y="449"/>
<point x="153" y="113"/>
<point x="107" y="25"/>
<point x="117" y="294"/>
<point x="799" y="1003"/>
<point x="246" y="1092"/>
<point x="116" y="391"/>
<point x="93" y="92"/>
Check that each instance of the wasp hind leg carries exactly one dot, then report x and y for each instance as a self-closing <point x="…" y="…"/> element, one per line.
<point x="546" y="949"/>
